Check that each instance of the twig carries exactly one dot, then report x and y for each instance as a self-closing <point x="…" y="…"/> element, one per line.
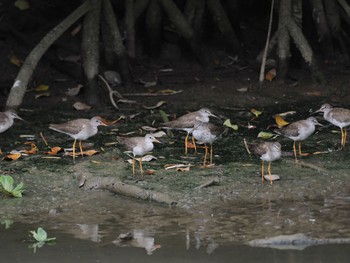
<point x="262" y="68"/>
<point x="152" y="94"/>
<point x="211" y="182"/>
<point x="111" y="92"/>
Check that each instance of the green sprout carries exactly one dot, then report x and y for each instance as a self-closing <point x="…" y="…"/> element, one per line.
<point x="6" y="182"/>
<point x="41" y="237"/>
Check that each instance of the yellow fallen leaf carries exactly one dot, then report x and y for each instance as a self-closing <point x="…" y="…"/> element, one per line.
<point x="280" y="121"/>
<point x="265" y="135"/>
<point x="16" y="61"/>
<point x="45" y="94"/>
<point x="228" y="123"/>
<point x="22" y="5"/>
<point x="42" y="87"/>
<point x="256" y="112"/>
<point x="168" y="91"/>
<point x="160" y="103"/>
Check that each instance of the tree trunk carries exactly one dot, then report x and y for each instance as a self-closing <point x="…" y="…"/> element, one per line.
<point x="320" y="21"/>
<point x="333" y="18"/>
<point x="139" y="7"/>
<point x="117" y="51"/>
<point x="19" y="87"/>
<point x="284" y="38"/>
<point x="90" y="53"/>
<point x="194" y="11"/>
<point x="184" y="29"/>
<point x="223" y="23"/>
<point x="153" y="27"/>
<point x="130" y="27"/>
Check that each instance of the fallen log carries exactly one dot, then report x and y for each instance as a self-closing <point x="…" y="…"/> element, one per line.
<point x="116" y="186"/>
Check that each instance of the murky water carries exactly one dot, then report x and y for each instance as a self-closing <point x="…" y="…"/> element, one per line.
<point x="90" y="230"/>
<point x="87" y="224"/>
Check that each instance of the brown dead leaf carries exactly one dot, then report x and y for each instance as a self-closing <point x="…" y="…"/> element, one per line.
<point x="12" y="157"/>
<point x="183" y="169"/>
<point x="16" y="61"/>
<point x="81" y="106"/>
<point x="271" y="74"/>
<point x="74" y="91"/>
<point x="41" y="95"/>
<point x="112" y="122"/>
<point x="34" y="149"/>
<point x="54" y="150"/>
<point x="150" y="171"/>
<point x="85" y="153"/>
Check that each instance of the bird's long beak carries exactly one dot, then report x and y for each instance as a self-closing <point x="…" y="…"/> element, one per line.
<point x="17" y="117"/>
<point x="155" y="140"/>
<point x="319" y="110"/>
<point x="317" y="123"/>
<point x="213" y="115"/>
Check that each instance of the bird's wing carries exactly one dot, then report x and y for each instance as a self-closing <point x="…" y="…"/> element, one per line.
<point x="70" y="127"/>
<point x="290" y="130"/>
<point x="342" y="115"/>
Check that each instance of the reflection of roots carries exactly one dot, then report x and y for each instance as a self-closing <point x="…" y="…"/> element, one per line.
<point x="118" y="187"/>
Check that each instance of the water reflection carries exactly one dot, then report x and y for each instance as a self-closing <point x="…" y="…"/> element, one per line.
<point x="159" y="234"/>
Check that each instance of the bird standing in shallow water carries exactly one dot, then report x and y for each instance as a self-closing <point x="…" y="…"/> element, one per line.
<point x="268" y="152"/>
<point x="188" y="121"/>
<point x="337" y="116"/>
<point x="206" y="132"/>
<point x="299" y="131"/>
<point x="79" y="129"/>
<point x="138" y="146"/>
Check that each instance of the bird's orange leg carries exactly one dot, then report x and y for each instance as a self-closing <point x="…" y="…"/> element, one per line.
<point x="269" y="171"/>
<point x="295" y="152"/>
<point x="81" y="149"/>
<point x="343" y="137"/>
<point x="345" y="133"/>
<point x="194" y="144"/>
<point x="133" y="166"/>
<point x="205" y="155"/>
<point x="211" y="153"/>
<point x="141" y="170"/>
<point x="186" y="143"/>
<point x="262" y="171"/>
<point x="75" y="140"/>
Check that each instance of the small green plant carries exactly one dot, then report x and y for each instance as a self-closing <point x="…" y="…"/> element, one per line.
<point x="41" y="237"/>
<point x="7" y="223"/>
<point x="6" y="182"/>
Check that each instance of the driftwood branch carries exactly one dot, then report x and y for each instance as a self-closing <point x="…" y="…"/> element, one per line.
<point x="116" y="186"/>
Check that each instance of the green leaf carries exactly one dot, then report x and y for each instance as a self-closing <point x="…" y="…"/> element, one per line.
<point x="7" y="182"/>
<point x="164" y="116"/>
<point x="19" y="188"/>
<point x="230" y="125"/>
<point x="7" y="223"/>
<point x="41" y="236"/>
<point x="266" y="135"/>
